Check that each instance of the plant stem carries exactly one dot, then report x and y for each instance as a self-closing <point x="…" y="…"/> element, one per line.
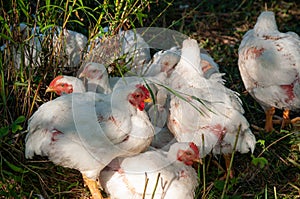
<point x="283" y="137"/>
<point x="203" y="168"/>
<point x="231" y="161"/>
<point x="156" y="183"/>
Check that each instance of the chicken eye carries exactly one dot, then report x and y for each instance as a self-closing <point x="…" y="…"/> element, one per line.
<point x="188" y="153"/>
<point x="62" y="85"/>
<point x="94" y="71"/>
<point x="137" y="95"/>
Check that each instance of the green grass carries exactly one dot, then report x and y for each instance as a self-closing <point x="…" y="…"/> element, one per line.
<point x="272" y="172"/>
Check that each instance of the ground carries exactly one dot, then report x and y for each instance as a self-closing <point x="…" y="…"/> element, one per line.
<point x="218" y="26"/>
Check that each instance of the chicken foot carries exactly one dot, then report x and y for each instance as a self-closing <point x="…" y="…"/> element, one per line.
<point x="286" y="119"/>
<point x="269" y="119"/>
<point x="227" y="158"/>
<point x="93" y="187"/>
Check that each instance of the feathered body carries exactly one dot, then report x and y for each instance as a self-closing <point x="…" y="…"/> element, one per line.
<point x="70" y="45"/>
<point x="97" y="77"/>
<point x="269" y="63"/>
<point x="85" y="131"/>
<point x="67" y="45"/>
<point x="159" y="71"/>
<point x="135" y="49"/>
<point x="126" y="177"/>
<point x="128" y="48"/>
<point x="203" y="110"/>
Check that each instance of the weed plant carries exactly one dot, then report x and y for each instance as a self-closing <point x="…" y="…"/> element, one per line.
<point x="271" y="172"/>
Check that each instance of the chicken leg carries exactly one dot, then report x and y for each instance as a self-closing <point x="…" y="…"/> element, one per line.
<point x="227" y="158"/>
<point x="93" y="187"/>
<point x="286" y="118"/>
<point x="269" y="119"/>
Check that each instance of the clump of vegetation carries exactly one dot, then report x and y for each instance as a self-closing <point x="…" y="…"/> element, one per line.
<point x="28" y="27"/>
<point x="272" y="171"/>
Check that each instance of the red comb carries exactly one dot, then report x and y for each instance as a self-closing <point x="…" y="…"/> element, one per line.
<point x="144" y="89"/>
<point x="53" y="82"/>
<point x="194" y="147"/>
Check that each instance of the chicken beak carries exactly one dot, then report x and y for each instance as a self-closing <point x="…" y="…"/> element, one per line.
<point x="198" y="160"/>
<point x="81" y="75"/>
<point x="50" y="89"/>
<point x="148" y="100"/>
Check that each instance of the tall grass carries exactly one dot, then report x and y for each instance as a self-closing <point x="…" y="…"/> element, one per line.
<point x="21" y="85"/>
<point x="218" y="25"/>
<point x="24" y="77"/>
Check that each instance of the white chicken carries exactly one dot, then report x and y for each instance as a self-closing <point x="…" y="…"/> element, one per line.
<point x="86" y="131"/>
<point x="32" y="47"/>
<point x="153" y="174"/>
<point x="163" y="61"/>
<point x="135" y="49"/>
<point x="68" y="45"/>
<point x="94" y="73"/>
<point x="156" y="74"/>
<point x="208" y="65"/>
<point x="64" y="84"/>
<point x="128" y="48"/>
<point x="166" y="61"/>
<point x="204" y="111"/>
<point x="97" y="77"/>
<point x="158" y="71"/>
<point x="269" y="63"/>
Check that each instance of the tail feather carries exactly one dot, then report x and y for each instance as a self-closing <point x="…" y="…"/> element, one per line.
<point x="37" y="143"/>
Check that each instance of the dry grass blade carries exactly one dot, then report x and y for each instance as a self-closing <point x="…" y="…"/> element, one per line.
<point x="219" y="27"/>
<point x="155" y="187"/>
<point x="231" y="161"/>
<point x="145" y="187"/>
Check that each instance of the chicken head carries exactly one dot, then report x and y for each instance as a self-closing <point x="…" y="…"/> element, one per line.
<point x="139" y="97"/>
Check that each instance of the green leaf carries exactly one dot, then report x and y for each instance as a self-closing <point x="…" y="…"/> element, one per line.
<point x="219" y="184"/>
<point x="261" y="161"/>
<point x="14" y="167"/>
<point x="16" y="127"/>
<point x="5" y="37"/>
<point x="140" y="16"/>
<point x="47" y="4"/>
<point x="261" y="142"/>
<point x="73" y="185"/>
<point x="4" y="131"/>
<point x="76" y="21"/>
<point x="284" y="131"/>
<point x="47" y="27"/>
<point x="20" y="119"/>
<point x="21" y="84"/>
<point x="151" y="92"/>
